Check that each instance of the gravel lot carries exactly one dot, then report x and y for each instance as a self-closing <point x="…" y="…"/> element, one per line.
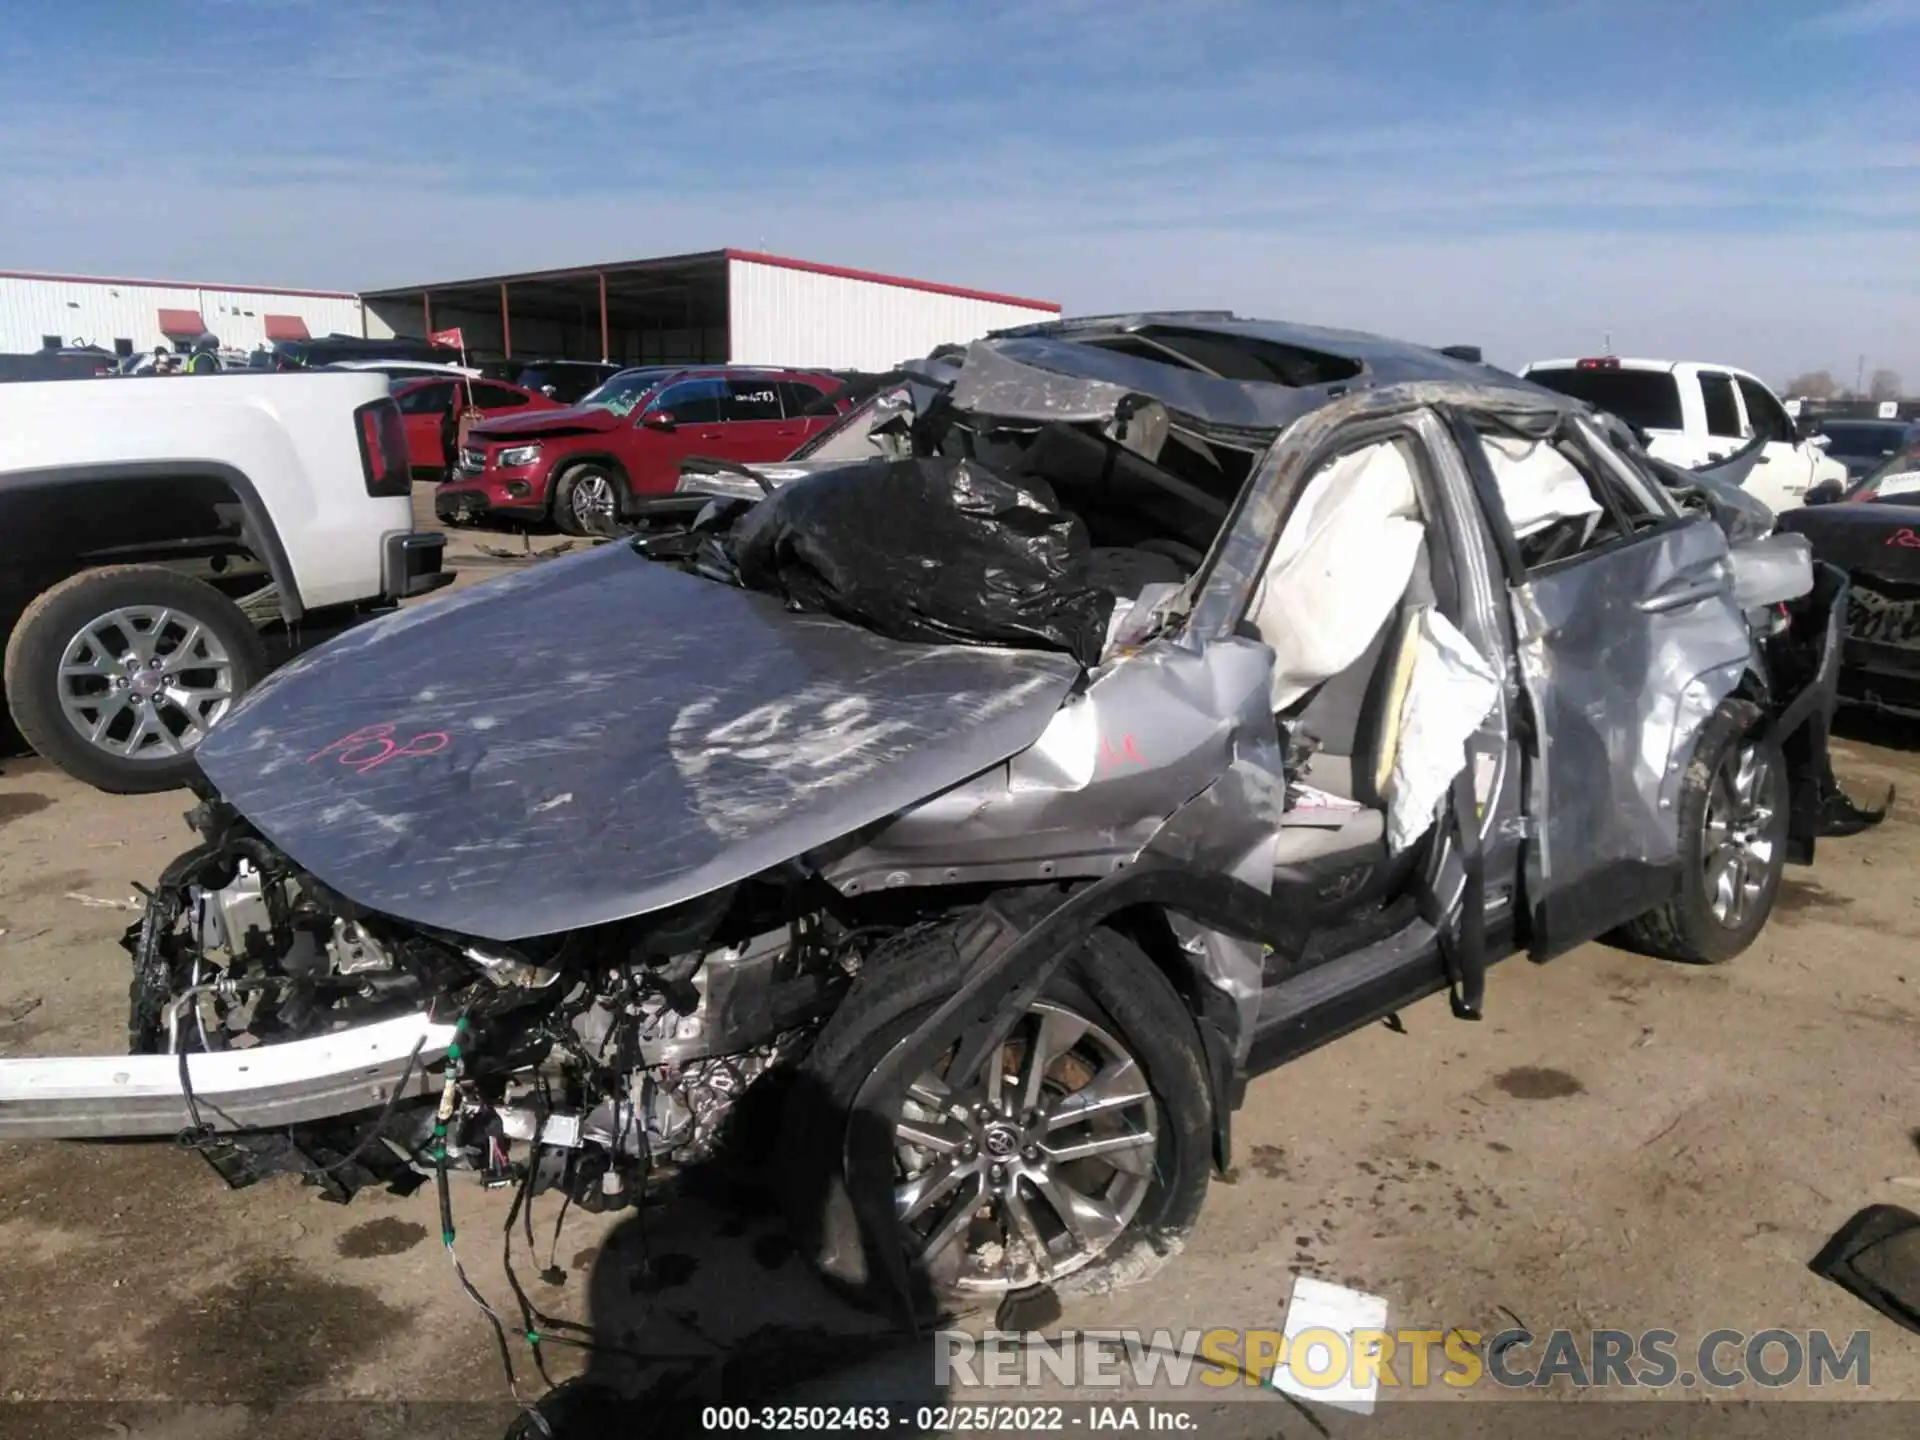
<point x="1621" y="1143"/>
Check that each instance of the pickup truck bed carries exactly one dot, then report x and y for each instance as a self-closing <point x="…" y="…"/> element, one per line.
<point x="136" y="513"/>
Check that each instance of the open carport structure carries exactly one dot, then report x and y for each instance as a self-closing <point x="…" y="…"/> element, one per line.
<point x="736" y="306"/>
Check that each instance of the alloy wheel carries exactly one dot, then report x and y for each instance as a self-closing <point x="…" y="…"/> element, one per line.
<point x="1738" y="845"/>
<point x="593" y="501"/>
<point x="145" y="682"/>
<point x="1032" y="1169"/>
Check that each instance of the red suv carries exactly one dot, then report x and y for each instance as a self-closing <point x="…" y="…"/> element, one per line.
<point x="604" y="458"/>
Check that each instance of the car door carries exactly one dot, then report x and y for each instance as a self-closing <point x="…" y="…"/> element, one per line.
<point x="682" y="420"/>
<point x="423" y="412"/>
<point x="1628" y="637"/>
<point x="754" y="426"/>
<point x="809" y="410"/>
<point x="1785" y="468"/>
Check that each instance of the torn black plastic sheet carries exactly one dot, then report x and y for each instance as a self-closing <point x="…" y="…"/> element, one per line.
<point x="931" y="549"/>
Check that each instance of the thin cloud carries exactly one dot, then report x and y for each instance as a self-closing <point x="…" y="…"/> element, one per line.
<point x="1867" y="17"/>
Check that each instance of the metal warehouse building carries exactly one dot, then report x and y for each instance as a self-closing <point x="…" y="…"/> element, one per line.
<point x="127" y="316"/>
<point x="736" y="306"/>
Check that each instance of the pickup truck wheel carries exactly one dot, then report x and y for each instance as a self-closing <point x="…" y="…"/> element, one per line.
<point x="1082" y="1149"/>
<point x="1733" y="845"/>
<point x="116" y="674"/>
<point x="587" y="501"/>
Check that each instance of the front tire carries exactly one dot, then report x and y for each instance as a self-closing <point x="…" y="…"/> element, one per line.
<point x="116" y="674"/>
<point x="1092" y="1166"/>
<point x="586" y="501"/>
<point x="1733" y="845"/>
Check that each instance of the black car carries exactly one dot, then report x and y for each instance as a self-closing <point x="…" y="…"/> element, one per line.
<point x="80" y="362"/>
<point x="1864" y="445"/>
<point x="1873" y="533"/>
<point x="568" y="381"/>
<point x="332" y="349"/>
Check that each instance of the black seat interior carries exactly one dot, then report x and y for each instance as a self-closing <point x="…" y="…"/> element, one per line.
<point x="1124" y="498"/>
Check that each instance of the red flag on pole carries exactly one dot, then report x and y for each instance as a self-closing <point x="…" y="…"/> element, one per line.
<point x="451" y="337"/>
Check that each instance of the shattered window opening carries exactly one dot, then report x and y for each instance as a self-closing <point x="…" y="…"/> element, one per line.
<point x="1241" y="357"/>
<point x="1562" y="498"/>
<point x="1142" y="349"/>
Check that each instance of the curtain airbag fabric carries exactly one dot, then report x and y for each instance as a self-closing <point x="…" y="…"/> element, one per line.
<point x="1537" y="484"/>
<point x="1340" y="567"/>
<point x="1451" y="691"/>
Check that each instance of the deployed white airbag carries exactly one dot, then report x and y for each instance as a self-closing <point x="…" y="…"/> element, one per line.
<point x="1537" y="484"/>
<point x="1449" y="693"/>
<point x="1340" y="567"/>
<point x="1771" y="570"/>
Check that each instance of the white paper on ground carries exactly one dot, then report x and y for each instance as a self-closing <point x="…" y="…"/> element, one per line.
<point x="1451" y="691"/>
<point x="1317" y="1305"/>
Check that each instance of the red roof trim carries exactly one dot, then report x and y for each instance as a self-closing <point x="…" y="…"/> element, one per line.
<point x="175" y="285"/>
<point x="286" y="327"/>
<point x="755" y="257"/>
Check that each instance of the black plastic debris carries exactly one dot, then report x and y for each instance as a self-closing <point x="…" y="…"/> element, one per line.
<point x="934" y="549"/>
<point x="1876" y="1256"/>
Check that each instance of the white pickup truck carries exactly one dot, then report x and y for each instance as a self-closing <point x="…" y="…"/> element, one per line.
<point x="159" y="538"/>
<point x="1693" y="414"/>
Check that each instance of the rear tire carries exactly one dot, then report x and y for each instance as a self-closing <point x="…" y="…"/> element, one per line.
<point x="1151" y="1197"/>
<point x="1733" y="845"/>
<point x="68" y="677"/>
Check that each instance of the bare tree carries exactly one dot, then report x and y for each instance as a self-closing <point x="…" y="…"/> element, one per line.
<point x="1814" y="385"/>
<point x="1885" y="385"/>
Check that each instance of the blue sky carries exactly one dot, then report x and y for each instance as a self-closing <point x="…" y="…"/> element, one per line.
<point x="1733" y="179"/>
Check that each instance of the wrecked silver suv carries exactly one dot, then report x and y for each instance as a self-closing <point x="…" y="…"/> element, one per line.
<point x="1396" y="665"/>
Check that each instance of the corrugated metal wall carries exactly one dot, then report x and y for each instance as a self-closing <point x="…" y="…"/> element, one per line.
<point x="99" y="312"/>
<point x="785" y="316"/>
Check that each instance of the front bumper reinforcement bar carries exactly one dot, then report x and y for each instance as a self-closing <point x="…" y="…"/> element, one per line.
<point x="100" y="1096"/>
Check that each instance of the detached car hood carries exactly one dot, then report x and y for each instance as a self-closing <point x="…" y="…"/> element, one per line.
<point x="603" y="736"/>
<point x="592" y="420"/>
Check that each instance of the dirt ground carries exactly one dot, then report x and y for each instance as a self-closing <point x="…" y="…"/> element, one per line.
<point x="1621" y="1143"/>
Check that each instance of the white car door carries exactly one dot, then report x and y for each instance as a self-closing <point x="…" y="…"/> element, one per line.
<point x="1788" y="466"/>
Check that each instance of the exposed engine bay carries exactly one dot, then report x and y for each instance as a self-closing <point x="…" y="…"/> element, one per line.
<point x="623" y="1050"/>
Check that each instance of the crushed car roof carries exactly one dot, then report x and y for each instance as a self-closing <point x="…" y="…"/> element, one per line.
<point x="1255" y="374"/>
